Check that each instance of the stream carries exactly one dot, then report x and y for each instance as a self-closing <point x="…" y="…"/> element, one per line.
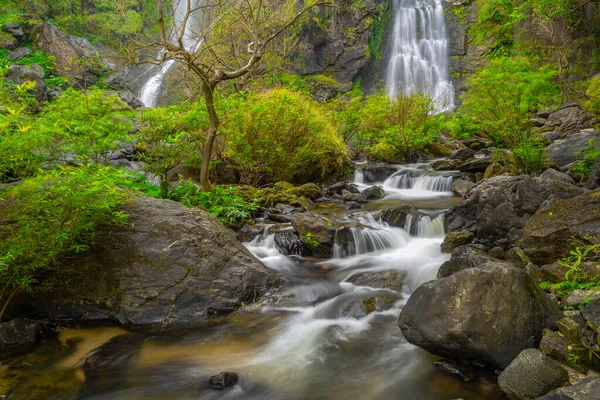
<point x="316" y="341"/>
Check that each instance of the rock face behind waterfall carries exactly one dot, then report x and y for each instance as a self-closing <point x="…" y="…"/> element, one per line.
<point x="169" y="265"/>
<point x="487" y="315"/>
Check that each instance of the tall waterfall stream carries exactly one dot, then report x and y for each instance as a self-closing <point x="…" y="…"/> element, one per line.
<point x="318" y="342"/>
<point x="419" y="61"/>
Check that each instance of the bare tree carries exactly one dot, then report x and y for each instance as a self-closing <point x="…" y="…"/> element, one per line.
<point x="232" y="37"/>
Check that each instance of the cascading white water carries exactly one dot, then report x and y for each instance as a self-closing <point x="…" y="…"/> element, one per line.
<point x="434" y="183"/>
<point x="419" y="61"/>
<point x="151" y="89"/>
<point x="370" y="236"/>
<point x="422" y="225"/>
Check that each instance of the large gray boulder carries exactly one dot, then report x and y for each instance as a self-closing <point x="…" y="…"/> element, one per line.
<point x="550" y="233"/>
<point x="568" y="150"/>
<point x="497" y="209"/>
<point x="168" y="265"/>
<point x="569" y="119"/>
<point x="487" y="315"/>
<point x="74" y="57"/>
<point x="531" y="375"/>
<point x="319" y="234"/>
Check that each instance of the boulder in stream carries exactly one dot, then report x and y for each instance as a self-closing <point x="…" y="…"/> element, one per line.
<point x="168" y="265"/>
<point x="485" y="315"/>
<point x="223" y="380"/>
<point x="377" y="172"/>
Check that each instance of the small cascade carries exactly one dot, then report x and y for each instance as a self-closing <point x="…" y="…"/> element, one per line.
<point x="367" y="236"/>
<point x="359" y="176"/>
<point x="424" y="226"/>
<point x="151" y="89"/>
<point x="406" y="180"/>
<point x="419" y="62"/>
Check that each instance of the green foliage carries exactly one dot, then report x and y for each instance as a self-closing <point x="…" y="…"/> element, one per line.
<point x="397" y="128"/>
<point x="83" y="126"/>
<point x="170" y="137"/>
<point x="40" y="58"/>
<point x="50" y="216"/>
<point x="460" y="126"/>
<point x="280" y="136"/>
<point x="223" y="202"/>
<point x="575" y="277"/>
<point x="503" y="96"/>
<point x="378" y="30"/>
<point x="311" y="241"/>
<point x="583" y="168"/>
<point x="529" y="157"/>
<point x="592" y="103"/>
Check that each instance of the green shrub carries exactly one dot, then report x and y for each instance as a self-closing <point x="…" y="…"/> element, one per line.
<point x="529" y="158"/>
<point x="503" y="96"/>
<point x="49" y="216"/>
<point x="280" y="136"/>
<point x="83" y="125"/>
<point x="397" y="128"/>
<point x="592" y="104"/>
<point x="169" y="137"/>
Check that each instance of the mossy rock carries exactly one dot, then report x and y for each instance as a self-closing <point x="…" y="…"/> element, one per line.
<point x="308" y="190"/>
<point x="280" y="193"/>
<point x="455" y="239"/>
<point x="550" y="233"/>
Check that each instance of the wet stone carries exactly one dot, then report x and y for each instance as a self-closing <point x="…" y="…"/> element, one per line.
<point x="223" y="380"/>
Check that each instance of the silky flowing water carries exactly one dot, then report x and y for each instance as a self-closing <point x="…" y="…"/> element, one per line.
<point x="313" y="344"/>
<point x="419" y="61"/>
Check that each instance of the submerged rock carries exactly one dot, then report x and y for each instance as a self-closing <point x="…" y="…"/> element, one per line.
<point x="373" y="193"/>
<point x="289" y="243"/>
<point x="168" y="265"/>
<point x="397" y="216"/>
<point x="531" y="375"/>
<point x="106" y="364"/>
<point x="223" y="380"/>
<point x="486" y="315"/>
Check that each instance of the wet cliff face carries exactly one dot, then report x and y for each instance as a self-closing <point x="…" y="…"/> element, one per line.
<point x="339" y="42"/>
<point x="465" y="55"/>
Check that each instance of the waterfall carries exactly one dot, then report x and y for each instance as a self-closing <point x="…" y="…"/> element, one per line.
<point x="419" y="61"/>
<point x="149" y="92"/>
<point x="422" y="225"/>
<point x="434" y="183"/>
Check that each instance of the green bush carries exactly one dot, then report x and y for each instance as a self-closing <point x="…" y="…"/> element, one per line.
<point x="46" y="217"/>
<point x="529" y="158"/>
<point x="84" y="126"/>
<point x="280" y="136"/>
<point x="170" y="136"/>
<point x="397" y="128"/>
<point x="592" y="104"/>
<point x="503" y="96"/>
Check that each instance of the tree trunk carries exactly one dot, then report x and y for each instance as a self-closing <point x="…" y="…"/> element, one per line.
<point x="208" y="92"/>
